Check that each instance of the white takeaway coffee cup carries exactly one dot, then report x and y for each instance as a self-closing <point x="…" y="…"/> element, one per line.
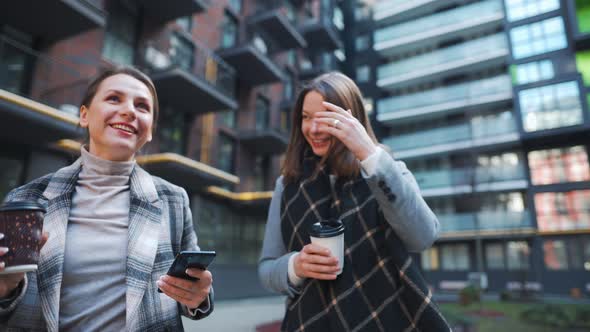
<point x="329" y="234"/>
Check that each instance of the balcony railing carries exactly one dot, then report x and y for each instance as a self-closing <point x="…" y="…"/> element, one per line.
<point x="446" y="99"/>
<point x="39" y="95"/>
<point x="182" y="67"/>
<point x="464" y="176"/>
<point x="441" y="26"/>
<point x="477" y="132"/>
<point x="485" y="221"/>
<point x="465" y="57"/>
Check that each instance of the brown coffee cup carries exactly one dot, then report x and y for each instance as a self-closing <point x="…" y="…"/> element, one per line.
<point x="22" y="225"/>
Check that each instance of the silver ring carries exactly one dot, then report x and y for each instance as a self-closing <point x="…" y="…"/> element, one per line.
<point x="336" y="122"/>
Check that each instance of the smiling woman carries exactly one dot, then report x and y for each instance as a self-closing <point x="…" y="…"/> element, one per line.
<point x="111" y="229"/>
<point x="336" y="170"/>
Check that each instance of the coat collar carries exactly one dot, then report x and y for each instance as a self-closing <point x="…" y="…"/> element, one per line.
<point x="143" y="229"/>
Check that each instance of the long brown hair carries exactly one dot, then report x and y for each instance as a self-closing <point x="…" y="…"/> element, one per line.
<point x="338" y="89"/>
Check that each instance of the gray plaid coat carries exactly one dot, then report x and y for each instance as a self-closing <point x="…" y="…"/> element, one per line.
<point x="160" y="225"/>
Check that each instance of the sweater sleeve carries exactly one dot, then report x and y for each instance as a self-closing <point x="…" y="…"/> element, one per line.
<point x="398" y="195"/>
<point x="273" y="265"/>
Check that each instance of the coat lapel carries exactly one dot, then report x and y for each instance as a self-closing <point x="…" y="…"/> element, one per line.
<point x="145" y="217"/>
<point x="58" y="198"/>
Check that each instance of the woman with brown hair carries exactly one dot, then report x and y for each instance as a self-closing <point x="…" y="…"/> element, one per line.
<point x="113" y="229"/>
<point x="335" y="169"/>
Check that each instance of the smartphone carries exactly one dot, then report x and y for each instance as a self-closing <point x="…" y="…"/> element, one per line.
<point x="192" y="259"/>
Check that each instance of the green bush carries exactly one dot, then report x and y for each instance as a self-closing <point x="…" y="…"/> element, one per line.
<point x="582" y="318"/>
<point x="548" y="315"/>
<point x="468" y="295"/>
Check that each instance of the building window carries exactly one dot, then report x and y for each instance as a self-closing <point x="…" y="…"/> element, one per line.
<point x="568" y="164"/>
<point x="555" y="255"/>
<point x="362" y="12"/>
<point x="500" y="167"/>
<point x="551" y="106"/>
<point x="119" y="39"/>
<point x="262" y="113"/>
<point x="186" y="23"/>
<point x="532" y="72"/>
<point x="261" y="171"/>
<point x="14" y="63"/>
<point x="520" y="9"/>
<point x="562" y="211"/>
<point x="573" y="254"/>
<point x="362" y="42"/>
<point x="171" y="131"/>
<point x="11" y="173"/>
<point x="235" y="5"/>
<point x="182" y="52"/>
<point x="455" y="257"/>
<point x="338" y="18"/>
<point x="226" y="154"/>
<point x="538" y="38"/>
<point x="229" y="31"/>
<point x="517" y="254"/>
<point x="363" y="73"/>
<point x="495" y="256"/>
<point x="429" y="259"/>
<point x="228" y="118"/>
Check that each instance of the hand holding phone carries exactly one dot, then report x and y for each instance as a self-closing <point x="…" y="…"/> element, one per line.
<point x="190" y="259"/>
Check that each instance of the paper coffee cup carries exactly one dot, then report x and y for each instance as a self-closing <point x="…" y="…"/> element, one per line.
<point x="330" y="234"/>
<point x="22" y="225"/>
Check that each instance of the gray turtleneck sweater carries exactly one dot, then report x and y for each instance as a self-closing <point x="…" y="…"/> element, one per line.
<point x="93" y="287"/>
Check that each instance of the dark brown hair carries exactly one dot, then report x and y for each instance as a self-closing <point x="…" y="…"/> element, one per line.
<point x="338" y="89"/>
<point x="125" y="70"/>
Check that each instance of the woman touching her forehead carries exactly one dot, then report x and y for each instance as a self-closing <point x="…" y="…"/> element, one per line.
<point x="335" y="169"/>
<point x="111" y="229"/>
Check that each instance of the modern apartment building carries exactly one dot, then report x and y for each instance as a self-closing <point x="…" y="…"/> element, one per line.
<point x="487" y="103"/>
<point x="226" y="73"/>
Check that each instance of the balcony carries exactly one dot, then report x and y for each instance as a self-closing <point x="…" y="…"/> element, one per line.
<point x="321" y="33"/>
<point x="275" y="22"/>
<point x="460" y="181"/>
<point x="497" y="130"/>
<point x="320" y="64"/>
<point x="448" y="25"/>
<point x="475" y="95"/>
<point x="390" y="11"/>
<point x="474" y="55"/>
<point x="185" y="172"/>
<point x="39" y="96"/>
<point x="196" y="81"/>
<point x="264" y="140"/>
<point x="252" y="63"/>
<point x="162" y="11"/>
<point x="486" y="224"/>
<point x="52" y="20"/>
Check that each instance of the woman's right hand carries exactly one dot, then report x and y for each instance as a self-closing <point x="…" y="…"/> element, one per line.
<point x="316" y="262"/>
<point x="9" y="282"/>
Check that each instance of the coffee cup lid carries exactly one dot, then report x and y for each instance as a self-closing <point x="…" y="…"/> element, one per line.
<point x="326" y="228"/>
<point x="21" y="205"/>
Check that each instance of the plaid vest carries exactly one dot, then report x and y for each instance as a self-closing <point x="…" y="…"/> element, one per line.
<point x="379" y="289"/>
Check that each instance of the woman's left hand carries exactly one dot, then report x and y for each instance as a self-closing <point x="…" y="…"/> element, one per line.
<point x="188" y="292"/>
<point x="345" y="127"/>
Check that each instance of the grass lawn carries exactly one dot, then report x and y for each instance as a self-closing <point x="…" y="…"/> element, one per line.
<point x="508" y="322"/>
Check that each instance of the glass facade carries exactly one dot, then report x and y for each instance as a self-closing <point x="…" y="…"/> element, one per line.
<point x="551" y="106"/>
<point x="573" y="254"/>
<point x="511" y="255"/>
<point x="455" y="257"/>
<point x="563" y="211"/>
<point x="537" y="38"/>
<point x="429" y="259"/>
<point x="521" y="9"/>
<point x="119" y="40"/>
<point x="229" y="31"/>
<point x="532" y="72"/>
<point x="171" y="131"/>
<point x="569" y="164"/>
<point x="225" y="160"/>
